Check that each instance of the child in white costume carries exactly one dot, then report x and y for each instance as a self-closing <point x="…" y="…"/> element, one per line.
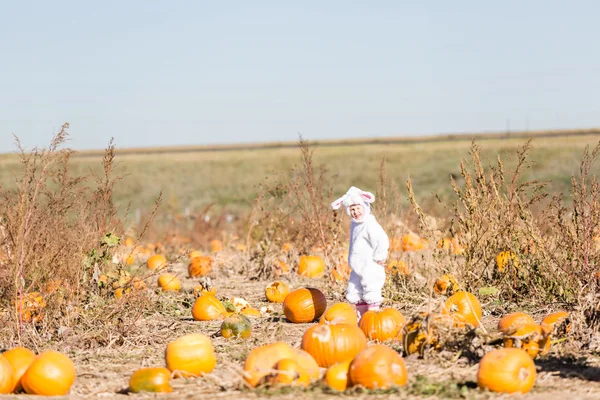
<point x="369" y="245"/>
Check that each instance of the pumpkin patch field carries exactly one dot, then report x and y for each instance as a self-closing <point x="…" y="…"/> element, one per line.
<point x="492" y="289"/>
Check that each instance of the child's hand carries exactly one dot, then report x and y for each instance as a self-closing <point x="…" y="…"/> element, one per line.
<point x="382" y="263"/>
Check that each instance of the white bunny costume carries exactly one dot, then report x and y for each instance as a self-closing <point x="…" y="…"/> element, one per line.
<point x="369" y="244"/>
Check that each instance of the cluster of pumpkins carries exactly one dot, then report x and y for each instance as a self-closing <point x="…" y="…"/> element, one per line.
<point x="49" y="373"/>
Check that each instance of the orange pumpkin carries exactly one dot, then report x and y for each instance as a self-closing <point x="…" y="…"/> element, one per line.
<point x="336" y="376"/>
<point x="237" y="325"/>
<point x="50" y="374"/>
<point x="412" y="242"/>
<point x="422" y="331"/>
<point x="529" y="337"/>
<point x="289" y="372"/>
<point x="200" y="266"/>
<point x="30" y="307"/>
<point x="446" y="285"/>
<point x="506" y="371"/>
<point x="378" y="367"/>
<point x="397" y="267"/>
<point x="169" y="282"/>
<point x="512" y="321"/>
<point x="261" y="360"/>
<point x="329" y="344"/>
<point x="382" y="325"/>
<point x="277" y="291"/>
<point x="156" y="380"/>
<point x="304" y="305"/>
<point x="557" y="323"/>
<point x="157" y="261"/>
<point x="311" y="266"/>
<point x="8" y="379"/>
<point x="464" y="308"/>
<point x="339" y="313"/>
<point x="20" y="358"/>
<point x="216" y="245"/>
<point x="191" y="355"/>
<point x="208" y="308"/>
<point x="194" y="253"/>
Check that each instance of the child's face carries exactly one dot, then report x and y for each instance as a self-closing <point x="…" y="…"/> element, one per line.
<point x="356" y="211"/>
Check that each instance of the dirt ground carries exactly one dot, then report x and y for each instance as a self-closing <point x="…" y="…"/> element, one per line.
<point x="105" y="372"/>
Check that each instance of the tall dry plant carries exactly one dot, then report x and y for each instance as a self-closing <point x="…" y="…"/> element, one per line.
<point x="50" y="223"/>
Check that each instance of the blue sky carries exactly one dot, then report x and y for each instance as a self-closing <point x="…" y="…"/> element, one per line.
<point x="159" y="73"/>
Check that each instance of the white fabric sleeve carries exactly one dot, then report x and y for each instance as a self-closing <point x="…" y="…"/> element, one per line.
<point x="380" y="241"/>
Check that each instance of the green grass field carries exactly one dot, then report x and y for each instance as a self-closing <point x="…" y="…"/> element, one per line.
<point x="229" y="178"/>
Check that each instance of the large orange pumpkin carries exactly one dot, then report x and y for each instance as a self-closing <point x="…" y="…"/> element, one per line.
<point x="339" y="313"/>
<point x="8" y="379"/>
<point x="200" y="266"/>
<point x="378" y="367"/>
<point x="20" y="358"/>
<point x="311" y="266"/>
<point x="464" y="308"/>
<point x="512" y="321"/>
<point x="506" y="371"/>
<point x="304" y="305"/>
<point x="208" y="308"/>
<point x="336" y="376"/>
<point x="329" y="344"/>
<point x="157" y="261"/>
<point x="156" y="380"/>
<point x="277" y="291"/>
<point x="169" y="282"/>
<point x="382" y="325"/>
<point x="261" y="360"/>
<point x="191" y="355"/>
<point x="50" y="374"/>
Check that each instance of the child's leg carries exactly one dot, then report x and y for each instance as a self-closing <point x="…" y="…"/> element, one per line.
<point x="372" y="285"/>
<point x="354" y="294"/>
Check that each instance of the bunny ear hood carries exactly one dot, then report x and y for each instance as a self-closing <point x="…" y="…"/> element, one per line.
<point x="355" y="195"/>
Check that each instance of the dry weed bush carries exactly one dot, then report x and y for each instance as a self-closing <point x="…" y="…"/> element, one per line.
<point x="58" y="233"/>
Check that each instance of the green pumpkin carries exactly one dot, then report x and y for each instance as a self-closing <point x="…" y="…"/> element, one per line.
<point x="236" y="325"/>
<point x="150" y="380"/>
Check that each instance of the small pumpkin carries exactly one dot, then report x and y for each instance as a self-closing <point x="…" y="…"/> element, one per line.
<point x="289" y="372"/>
<point x="336" y="376"/>
<point x="529" y="337"/>
<point x="261" y="360"/>
<point x="397" y="267"/>
<point x="200" y="266"/>
<point x="156" y="262"/>
<point x="157" y="380"/>
<point x="236" y="325"/>
<point x="304" y="305"/>
<point x="50" y="374"/>
<point x="216" y="245"/>
<point x="384" y="324"/>
<point x="208" y="308"/>
<point x="169" y="282"/>
<point x="512" y="321"/>
<point x="311" y="266"/>
<point x="8" y="379"/>
<point x="378" y="367"/>
<point x="339" y="313"/>
<point x="413" y="242"/>
<point x="329" y="344"/>
<point x="277" y="291"/>
<point x="464" y="308"/>
<point x="30" y="307"/>
<point x="191" y="355"/>
<point x="446" y="285"/>
<point x="421" y="331"/>
<point x="557" y="324"/>
<point x="20" y="358"/>
<point x="507" y="370"/>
